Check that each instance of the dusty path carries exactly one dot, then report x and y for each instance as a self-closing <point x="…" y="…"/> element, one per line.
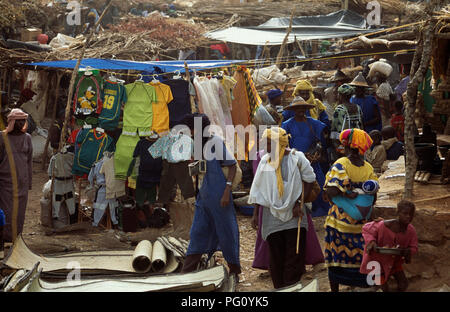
<point x="251" y="279"/>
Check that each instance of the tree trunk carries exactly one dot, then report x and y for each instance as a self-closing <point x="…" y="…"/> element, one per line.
<point x="418" y="71"/>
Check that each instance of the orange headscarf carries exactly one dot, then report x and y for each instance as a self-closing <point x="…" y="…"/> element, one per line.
<point x="356" y="138"/>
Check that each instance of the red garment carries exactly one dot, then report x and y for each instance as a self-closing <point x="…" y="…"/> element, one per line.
<point x="384" y="237"/>
<point x="398" y="123"/>
<point x="221" y="47"/>
<point x="73" y="136"/>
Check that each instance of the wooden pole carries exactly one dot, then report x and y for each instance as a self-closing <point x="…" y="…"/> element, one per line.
<point x="288" y="31"/>
<point x="302" y="202"/>
<point x="300" y="46"/>
<point x="5" y="74"/>
<point x="188" y="78"/>
<point x="422" y="55"/>
<point x="74" y="74"/>
<point x="54" y="112"/>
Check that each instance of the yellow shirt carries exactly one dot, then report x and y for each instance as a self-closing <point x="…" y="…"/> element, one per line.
<point x="160" y="109"/>
<point x="343" y="172"/>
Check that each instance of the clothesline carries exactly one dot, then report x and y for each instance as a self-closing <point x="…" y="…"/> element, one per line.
<point x="272" y="59"/>
<point x="247" y="63"/>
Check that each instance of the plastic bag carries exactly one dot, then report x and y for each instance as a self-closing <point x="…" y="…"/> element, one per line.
<point x="262" y="117"/>
<point x="46" y="189"/>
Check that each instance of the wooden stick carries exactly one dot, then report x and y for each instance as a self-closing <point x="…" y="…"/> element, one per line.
<point x="288" y="31"/>
<point x="188" y="78"/>
<point x="300" y="46"/>
<point x="55" y="105"/>
<point x="300" y="219"/>
<point x="431" y="198"/>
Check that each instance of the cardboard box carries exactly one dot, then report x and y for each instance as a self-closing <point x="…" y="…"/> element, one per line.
<point x="30" y="34"/>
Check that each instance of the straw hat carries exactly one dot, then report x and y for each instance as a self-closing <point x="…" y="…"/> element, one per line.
<point x="359" y="81"/>
<point x="339" y="76"/>
<point x="299" y="102"/>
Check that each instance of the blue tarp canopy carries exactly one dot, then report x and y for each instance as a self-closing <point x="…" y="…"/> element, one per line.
<point x="164" y="66"/>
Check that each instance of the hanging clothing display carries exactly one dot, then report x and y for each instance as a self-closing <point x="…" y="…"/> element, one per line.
<point x="63" y="189"/>
<point x="240" y="111"/>
<point x="181" y="103"/>
<point x="173" y="148"/>
<point x="87" y="95"/>
<point x="101" y="202"/>
<point x="138" y="111"/>
<point x="92" y="145"/>
<point x="149" y="172"/>
<point x="210" y="101"/>
<point x="228" y="84"/>
<point x="223" y="101"/>
<point x="114" y="94"/>
<point x="164" y="96"/>
<point x="114" y="188"/>
<point x="124" y="155"/>
<point x="253" y="97"/>
<point x="176" y="151"/>
<point x="149" y="168"/>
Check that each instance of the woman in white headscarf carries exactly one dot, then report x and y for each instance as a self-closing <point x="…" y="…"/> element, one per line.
<point x="277" y="187"/>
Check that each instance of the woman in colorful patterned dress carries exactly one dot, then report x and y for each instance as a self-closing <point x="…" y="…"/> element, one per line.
<point x="344" y="243"/>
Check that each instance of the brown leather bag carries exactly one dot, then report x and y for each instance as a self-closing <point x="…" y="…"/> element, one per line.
<point x="315" y="191"/>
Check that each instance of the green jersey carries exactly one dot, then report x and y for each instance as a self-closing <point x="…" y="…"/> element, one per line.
<point x="114" y="94"/>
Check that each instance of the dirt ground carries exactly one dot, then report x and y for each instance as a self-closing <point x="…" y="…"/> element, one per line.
<point x="250" y="280"/>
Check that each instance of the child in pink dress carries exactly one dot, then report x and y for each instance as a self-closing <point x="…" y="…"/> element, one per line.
<point x="395" y="233"/>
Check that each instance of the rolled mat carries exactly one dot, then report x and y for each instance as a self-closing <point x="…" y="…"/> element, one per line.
<point x="159" y="257"/>
<point x="142" y="257"/>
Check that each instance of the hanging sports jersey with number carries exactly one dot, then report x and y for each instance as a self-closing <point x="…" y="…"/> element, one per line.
<point x="114" y="94"/>
<point x="92" y="146"/>
<point x="138" y="111"/>
<point x="87" y="96"/>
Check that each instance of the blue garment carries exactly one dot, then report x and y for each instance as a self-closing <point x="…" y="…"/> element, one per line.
<point x="287" y="114"/>
<point x="395" y="151"/>
<point x="215" y="227"/>
<point x="301" y="139"/>
<point x="368" y="105"/>
<point x="2" y="218"/>
<point x="358" y="208"/>
<point x="323" y="116"/>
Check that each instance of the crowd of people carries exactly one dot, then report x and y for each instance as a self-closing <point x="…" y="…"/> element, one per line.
<point x="345" y="141"/>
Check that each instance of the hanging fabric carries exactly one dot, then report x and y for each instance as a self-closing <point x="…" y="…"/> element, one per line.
<point x="164" y="96"/>
<point x="181" y="103"/>
<point x="138" y="111"/>
<point x="240" y="111"/>
<point x="91" y="146"/>
<point x="101" y="201"/>
<point x="114" y="95"/>
<point x="87" y="100"/>
<point x="60" y="168"/>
